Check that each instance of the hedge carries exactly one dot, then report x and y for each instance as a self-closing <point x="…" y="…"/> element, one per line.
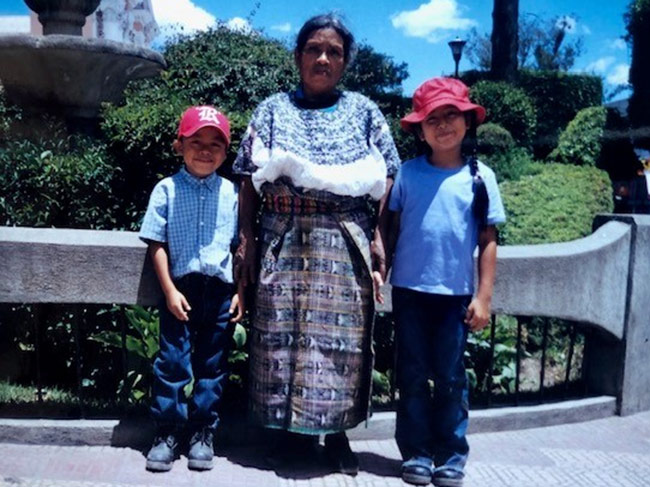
<point x="556" y="205"/>
<point x="580" y="143"/>
<point x="507" y="106"/>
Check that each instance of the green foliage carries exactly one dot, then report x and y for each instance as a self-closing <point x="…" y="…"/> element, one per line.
<point x="637" y="20"/>
<point x="374" y="74"/>
<point x="64" y="183"/>
<point x="558" y="97"/>
<point x="509" y="107"/>
<point x="141" y="345"/>
<point x="556" y="205"/>
<point x="580" y="143"/>
<point x="512" y="164"/>
<point x="493" y="138"/>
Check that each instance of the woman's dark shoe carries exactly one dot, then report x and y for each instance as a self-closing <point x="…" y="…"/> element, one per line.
<point x="163" y="452"/>
<point x="417" y="471"/>
<point x="201" y="453"/>
<point x="339" y="454"/>
<point x="448" y="477"/>
<point x="291" y="449"/>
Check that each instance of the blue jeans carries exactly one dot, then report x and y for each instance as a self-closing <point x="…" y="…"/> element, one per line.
<point x="197" y="349"/>
<point x="431" y="338"/>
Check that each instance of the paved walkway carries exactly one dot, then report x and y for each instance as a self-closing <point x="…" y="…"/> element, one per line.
<point x="612" y="452"/>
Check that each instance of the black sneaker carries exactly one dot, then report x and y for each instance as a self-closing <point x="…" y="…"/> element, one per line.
<point x="447" y="477"/>
<point x="417" y="471"/>
<point x="339" y="454"/>
<point x="162" y="453"/>
<point x="201" y="454"/>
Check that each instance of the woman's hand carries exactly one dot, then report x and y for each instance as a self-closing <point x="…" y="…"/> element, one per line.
<point x="178" y="305"/>
<point x="244" y="261"/>
<point x="237" y="305"/>
<point x="378" y="256"/>
<point x="478" y="314"/>
<point x="378" y="282"/>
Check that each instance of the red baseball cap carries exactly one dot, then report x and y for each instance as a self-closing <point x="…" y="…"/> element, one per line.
<point x="438" y="92"/>
<point x="195" y="118"/>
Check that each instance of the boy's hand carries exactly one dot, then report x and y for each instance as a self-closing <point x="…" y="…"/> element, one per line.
<point x="478" y="314"/>
<point x="237" y="305"/>
<point x="378" y="256"/>
<point x="378" y="281"/>
<point x="178" y="305"/>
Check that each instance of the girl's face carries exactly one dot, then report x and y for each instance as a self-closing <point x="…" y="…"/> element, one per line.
<point x="444" y="129"/>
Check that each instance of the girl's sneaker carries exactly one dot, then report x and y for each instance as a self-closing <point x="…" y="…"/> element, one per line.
<point x="448" y="477"/>
<point x="417" y="471"/>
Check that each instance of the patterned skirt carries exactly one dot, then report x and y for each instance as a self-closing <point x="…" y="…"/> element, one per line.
<point x="311" y="348"/>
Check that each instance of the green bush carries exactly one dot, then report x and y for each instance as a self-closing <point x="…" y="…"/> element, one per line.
<point x="512" y="164"/>
<point x="57" y="184"/>
<point x="558" y="97"/>
<point x="493" y="138"/>
<point x="509" y="107"/>
<point x="580" y="143"/>
<point x="556" y="205"/>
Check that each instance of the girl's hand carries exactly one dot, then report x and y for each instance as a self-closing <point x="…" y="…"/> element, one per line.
<point x="178" y="305"/>
<point x="378" y="282"/>
<point x="237" y="304"/>
<point x="478" y="314"/>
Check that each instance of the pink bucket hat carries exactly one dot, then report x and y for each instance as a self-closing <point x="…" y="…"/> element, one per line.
<point x="197" y="117"/>
<point x="438" y="92"/>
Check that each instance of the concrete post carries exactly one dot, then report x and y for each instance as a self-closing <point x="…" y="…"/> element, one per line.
<point x="632" y="376"/>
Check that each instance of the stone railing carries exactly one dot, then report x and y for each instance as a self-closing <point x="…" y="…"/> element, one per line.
<point x="602" y="281"/>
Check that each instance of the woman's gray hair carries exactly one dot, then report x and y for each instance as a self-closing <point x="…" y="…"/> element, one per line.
<point x="328" y="21"/>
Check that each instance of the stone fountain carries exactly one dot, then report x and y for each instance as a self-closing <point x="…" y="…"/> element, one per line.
<point x="64" y="73"/>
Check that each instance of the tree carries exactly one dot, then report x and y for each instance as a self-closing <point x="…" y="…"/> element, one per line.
<point x="505" y="39"/>
<point x="375" y="74"/>
<point x="638" y="27"/>
<point x="543" y="45"/>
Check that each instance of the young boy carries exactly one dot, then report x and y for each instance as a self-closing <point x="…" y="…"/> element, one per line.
<point x="189" y="226"/>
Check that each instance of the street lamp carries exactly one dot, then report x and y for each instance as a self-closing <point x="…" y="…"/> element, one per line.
<point x="457" y="50"/>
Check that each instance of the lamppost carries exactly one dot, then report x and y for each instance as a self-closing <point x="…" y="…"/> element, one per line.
<point x="457" y="50"/>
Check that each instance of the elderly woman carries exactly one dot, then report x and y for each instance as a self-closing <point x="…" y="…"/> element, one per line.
<point x="315" y="160"/>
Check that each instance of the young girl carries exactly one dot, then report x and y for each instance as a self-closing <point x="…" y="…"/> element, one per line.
<point x="445" y="203"/>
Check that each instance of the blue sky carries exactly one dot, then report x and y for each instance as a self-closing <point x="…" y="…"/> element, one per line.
<point x="411" y="31"/>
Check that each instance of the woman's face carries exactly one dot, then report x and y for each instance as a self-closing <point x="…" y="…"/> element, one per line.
<point x="321" y="62"/>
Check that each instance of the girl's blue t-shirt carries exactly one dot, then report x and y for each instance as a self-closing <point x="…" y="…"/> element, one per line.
<point x="438" y="232"/>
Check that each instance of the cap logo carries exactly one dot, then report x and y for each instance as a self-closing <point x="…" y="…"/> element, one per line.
<point x="209" y="114"/>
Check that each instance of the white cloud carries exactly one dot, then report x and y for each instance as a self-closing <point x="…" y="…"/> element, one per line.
<point x="431" y="20"/>
<point x="585" y="29"/>
<point x="182" y="13"/>
<point x="600" y="65"/>
<point x="619" y="75"/>
<point x="286" y="27"/>
<point x="618" y="44"/>
<point x="14" y="24"/>
<point x="240" y="25"/>
<point x="179" y="16"/>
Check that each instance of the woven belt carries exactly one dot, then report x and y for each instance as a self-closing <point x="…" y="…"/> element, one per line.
<point x="307" y="206"/>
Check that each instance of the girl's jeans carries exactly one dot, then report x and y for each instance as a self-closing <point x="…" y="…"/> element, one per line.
<point x="197" y="349"/>
<point x="431" y="338"/>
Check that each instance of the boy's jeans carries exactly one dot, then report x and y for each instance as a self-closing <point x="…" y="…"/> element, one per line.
<point x="431" y="337"/>
<point x="196" y="348"/>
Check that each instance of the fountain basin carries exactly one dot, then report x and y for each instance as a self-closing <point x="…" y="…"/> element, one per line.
<point x="71" y="75"/>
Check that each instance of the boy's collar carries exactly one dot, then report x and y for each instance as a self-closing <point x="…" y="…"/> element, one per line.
<point x="210" y="181"/>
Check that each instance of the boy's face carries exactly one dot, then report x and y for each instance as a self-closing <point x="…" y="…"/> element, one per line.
<point x="203" y="152"/>
<point x="444" y="129"/>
